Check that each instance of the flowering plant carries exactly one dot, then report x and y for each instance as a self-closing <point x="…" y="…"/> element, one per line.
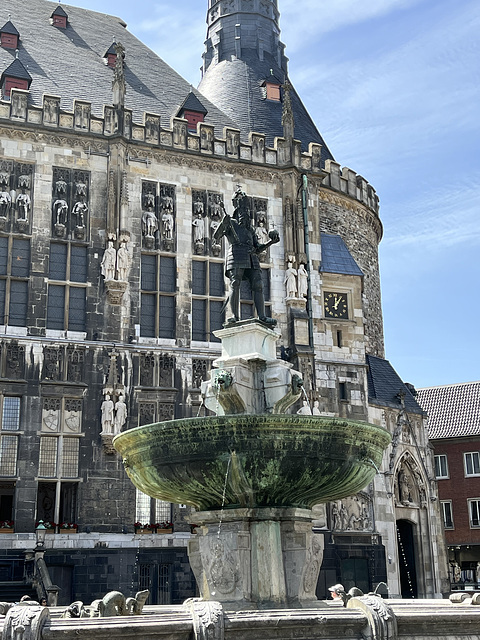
<point x="6" y="524"/>
<point x="164" y="525"/>
<point x="68" y="525"/>
<point x="138" y="525"/>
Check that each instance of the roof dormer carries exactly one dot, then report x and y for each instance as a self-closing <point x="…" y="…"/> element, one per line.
<point x="193" y="111"/>
<point x="59" y="18"/>
<point x="15" y="76"/>
<point x="271" y="88"/>
<point x="9" y="36"/>
<point x="110" y="55"/>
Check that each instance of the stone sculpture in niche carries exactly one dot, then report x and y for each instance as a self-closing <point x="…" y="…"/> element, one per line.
<point x="109" y="262"/>
<point x="291" y="281"/>
<point x="262" y="237"/>
<point x="305" y="409"/>
<point x="302" y="281"/>
<point x="124" y="262"/>
<point x="107" y="409"/>
<point x="199" y="234"/>
<point x="15" y="360"/>
<point x="120" y="414"/>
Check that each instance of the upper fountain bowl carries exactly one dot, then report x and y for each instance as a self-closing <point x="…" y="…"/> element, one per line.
<point x="259" y="460"/>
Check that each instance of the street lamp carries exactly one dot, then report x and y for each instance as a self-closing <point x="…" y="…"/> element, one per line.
<point x="40" y="533"/>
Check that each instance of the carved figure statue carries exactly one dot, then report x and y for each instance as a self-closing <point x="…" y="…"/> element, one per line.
<point x="199" y="228"/>
<point x="477" y="573"/>
<point x="107" y="414"/>
<point x="291" y="281"/>
<point x="316" y="408"/>
<point x="80" y="210"/>
<point x="167" y="220"/>
<point x="124" y="262"/>
<point x="457" y="572"/>
<point x="120" y="414"/>
<point x="23" y="206"/>
<point x="109" y="261"/>
<point x="60" y="211"/>
<point x="198" y="207"/>
<point x="242" y="259"/>
<point x="5" y="203"/>
<point x="81" y="190"/>
<point x="262" y="233"/>
<point x="302" y="282"/>
<point x="149" y="224"/>
<point x="403" y="486"/>
<point x="305" y="409"/>
<point x="60" y="188"/>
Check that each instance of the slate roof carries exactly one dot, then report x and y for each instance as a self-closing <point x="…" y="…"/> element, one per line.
<point x="8" y="27"/>
<point x="69" y="63"/>
<point x="235" y="86"/>
<point x="384" y="385"/>
<point x="336" y="258"/>
<point x="453" y="410"/>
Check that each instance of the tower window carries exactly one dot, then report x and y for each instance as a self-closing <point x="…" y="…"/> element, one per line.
<point x="273" y="91"/>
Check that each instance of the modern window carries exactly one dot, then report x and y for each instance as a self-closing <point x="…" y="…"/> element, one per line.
<point x="447" y="514"/>
<point x="158" y="304"/>
<point x="10" y="414"/>
<point x="208" y="295"/>
<point x="150" y="510"/>
<point x="474" y="512"/>
<point x="472" y="463"/>
<point x="441" y="467"/>
<point x="67" y="288"/>
<point x="14" y="275"/>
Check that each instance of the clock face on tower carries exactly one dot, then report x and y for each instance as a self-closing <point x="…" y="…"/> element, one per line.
<point x="335" y="305"/>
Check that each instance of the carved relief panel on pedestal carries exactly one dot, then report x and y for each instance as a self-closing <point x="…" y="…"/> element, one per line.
<point x="70" y="203"/>
<point x="207" y="213"/>
<point x="158" y="216"/>
<point x="16" y="196"/>
<point x="354" y="513"/>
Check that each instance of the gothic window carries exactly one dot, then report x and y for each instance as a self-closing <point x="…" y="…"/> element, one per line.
<point x="441" y="467"/>
<point x="447" y="514"/>
<point x="151" y="412"/>
<point x="70" y="203"/>
<point x="208" y="294"/>
<point x="150" y="510"/>
<point x="14" y="274"/>
<point x="158" y="288"/>
<point x="472" y="463"/>
<point x="57" y="503"/>
<point x="247" y="309"/>
<point x="60" y="438"/>
<point x="10" y="414"/>
<point x="67" y="288"/>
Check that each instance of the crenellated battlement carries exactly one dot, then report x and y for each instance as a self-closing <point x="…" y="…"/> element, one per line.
<point x="350" y="183"/>
<point x="81" y="121"/>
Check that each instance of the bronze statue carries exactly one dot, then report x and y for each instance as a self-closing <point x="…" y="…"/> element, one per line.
<point x="242" y="259"/>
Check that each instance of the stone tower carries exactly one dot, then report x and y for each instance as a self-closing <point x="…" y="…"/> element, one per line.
<point x="245" y="68"/>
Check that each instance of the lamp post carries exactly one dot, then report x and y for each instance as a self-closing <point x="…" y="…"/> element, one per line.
<point x="40" y="533"/>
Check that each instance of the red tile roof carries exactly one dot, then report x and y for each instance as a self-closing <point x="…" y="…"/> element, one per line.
<point x="453" y="410"/>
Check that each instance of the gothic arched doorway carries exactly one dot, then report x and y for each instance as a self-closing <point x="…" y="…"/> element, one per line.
<point x="406" y="559"/>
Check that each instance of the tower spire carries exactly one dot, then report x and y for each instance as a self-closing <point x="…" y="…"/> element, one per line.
<point x="242" y="30"/>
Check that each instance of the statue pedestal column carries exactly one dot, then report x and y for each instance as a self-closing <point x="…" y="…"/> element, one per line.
<point x="257" y="558"/>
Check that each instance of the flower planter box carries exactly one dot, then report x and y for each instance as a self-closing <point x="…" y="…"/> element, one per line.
<point x="73" y="530"/>
<point x="6" y="530"/>
<point x="164" y="530"/>
<point x="144" y="531"/>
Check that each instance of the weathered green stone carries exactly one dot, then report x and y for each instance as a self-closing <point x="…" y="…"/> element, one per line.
<point x="260" y="460"/>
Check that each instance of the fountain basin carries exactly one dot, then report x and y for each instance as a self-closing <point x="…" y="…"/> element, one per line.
<point x="258" y="460"/>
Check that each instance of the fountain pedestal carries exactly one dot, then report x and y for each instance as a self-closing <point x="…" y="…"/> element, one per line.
<point x="262" y="558"/>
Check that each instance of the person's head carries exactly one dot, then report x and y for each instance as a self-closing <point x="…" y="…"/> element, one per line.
<point x="336" y="591"/>
<point x="43" y="602"/>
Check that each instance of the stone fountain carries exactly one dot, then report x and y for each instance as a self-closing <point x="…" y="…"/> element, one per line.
<point x="253" y="472"/>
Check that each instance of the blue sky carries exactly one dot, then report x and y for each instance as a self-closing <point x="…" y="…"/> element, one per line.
<point x="394" y="88"/>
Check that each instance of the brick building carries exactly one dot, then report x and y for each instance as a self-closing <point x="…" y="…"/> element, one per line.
<point x="113" y="177"/>
<point x="454" y="431"/>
